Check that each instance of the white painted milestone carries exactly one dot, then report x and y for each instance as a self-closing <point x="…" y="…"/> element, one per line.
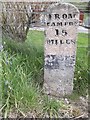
<point x="62" y="20"/>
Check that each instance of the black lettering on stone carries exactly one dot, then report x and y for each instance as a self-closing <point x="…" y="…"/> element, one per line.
<point x="53" y="57"/>
<point x="66" y="57"/>
<point x="57" y="16"/>
<point x="73" y="56"/>
<point x="51" y="62"/>
<point x="48" y="41"/>
<point x="50" y="16"/>
<point x="70" y="16"/>
<point x="56" y="42"/>
<point x="61" y="42"/>
<point x="66" y="23"/>
<point x="64" y="33"/>
<point x="48" y="23"/>
<point x="74" y="15"/>
<point x="59" y="23"/>
<point x="70" y="23"/>
<point x="76" y="23"/>
<point x="67" y="41"/>
<point x="70" y="61"/>
<point x="53" y="24"/>
<point x="52" y="41"/>
<point x="73" y="41"/>
<point x="57" y="32"/>
<point x="64" y="16"/>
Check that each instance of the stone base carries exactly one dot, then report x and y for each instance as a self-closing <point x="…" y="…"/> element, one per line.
<point x="57" y="92"/>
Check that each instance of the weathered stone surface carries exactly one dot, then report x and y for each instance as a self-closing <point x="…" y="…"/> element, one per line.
<point x="62" y="21"/>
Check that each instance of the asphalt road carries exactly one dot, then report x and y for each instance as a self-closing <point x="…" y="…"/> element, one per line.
<point x="83" y="30"/>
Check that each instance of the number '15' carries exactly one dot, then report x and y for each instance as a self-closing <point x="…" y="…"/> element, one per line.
<point x="62" y="32"/>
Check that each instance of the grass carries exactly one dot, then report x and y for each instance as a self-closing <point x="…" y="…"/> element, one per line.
<point x="81" y="71"/>
<point x="22" y="77"/>
<point x="35" y="38"/>
<point x="0" y="78"/>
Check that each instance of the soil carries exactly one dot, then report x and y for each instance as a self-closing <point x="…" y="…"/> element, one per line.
<point x="76" y="110"/>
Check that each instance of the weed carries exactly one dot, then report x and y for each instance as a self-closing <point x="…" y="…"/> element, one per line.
<point x="21" y="73"/>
